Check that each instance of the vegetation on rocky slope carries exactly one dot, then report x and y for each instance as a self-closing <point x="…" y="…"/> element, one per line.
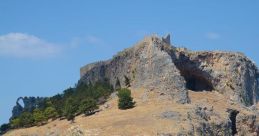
<point x="125" y="100"/>
<point x="81" y="99"/>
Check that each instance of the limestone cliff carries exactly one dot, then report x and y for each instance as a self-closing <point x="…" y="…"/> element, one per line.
<point x="155" y="64"/>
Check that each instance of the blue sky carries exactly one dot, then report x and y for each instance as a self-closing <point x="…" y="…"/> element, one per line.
<point x="43" y="44"/>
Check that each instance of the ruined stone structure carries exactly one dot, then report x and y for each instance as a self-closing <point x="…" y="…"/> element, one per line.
<point x="155" y="64"/>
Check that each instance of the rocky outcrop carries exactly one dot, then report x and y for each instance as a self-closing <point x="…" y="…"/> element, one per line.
<point x="204" y="121"/>
<point x="29" y="104"/>
<point x="148" y="64"/>
<point x="155" y="64"/>
<point x="232" y="74"/>
<point x="207" y="122"/>
<point x="75" y="131"/>
<point x="247" y="124"/>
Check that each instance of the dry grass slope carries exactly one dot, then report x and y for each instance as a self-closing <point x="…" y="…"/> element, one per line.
<point x="143" y="120"/>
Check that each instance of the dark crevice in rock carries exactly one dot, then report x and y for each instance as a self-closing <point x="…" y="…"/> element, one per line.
<point x="196" y="82"/>
<point x="232" y="117"/>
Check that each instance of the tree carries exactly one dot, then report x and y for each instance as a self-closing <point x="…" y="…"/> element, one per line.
<point x="58" y="104"/>
<point x="87" y="106"/>
<point x="39" y="117"/>
<point x="68" y="92"/>
<point x="15" y="123"/>
<point x="70" y="110"/>
<point x="125" y="100"/>
<point x="4" y="128"/>
<point x="50" y="113"/>
<point x="26" y="119"/>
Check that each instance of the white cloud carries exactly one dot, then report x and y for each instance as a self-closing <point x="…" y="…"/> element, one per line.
<point x="213" y="36"/>
<point x="26" y="46"/>
<point x="93" y="40"/>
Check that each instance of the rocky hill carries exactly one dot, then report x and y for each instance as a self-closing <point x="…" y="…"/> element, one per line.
<point x="154" y="64"/>
<point x="177" y="92"/>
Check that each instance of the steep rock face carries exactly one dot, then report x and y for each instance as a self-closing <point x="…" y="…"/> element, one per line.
<point x="154" y="64"/>
<point x="229" y="73"/>
<point x="148" y="64"/>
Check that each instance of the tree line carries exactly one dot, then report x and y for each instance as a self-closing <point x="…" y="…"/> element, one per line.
<point x="81" y="99"/>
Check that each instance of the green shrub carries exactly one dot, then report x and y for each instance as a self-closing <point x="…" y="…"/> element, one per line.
<point x="50" y="113"/>
<point x="4" y="128"/>
<point x="26" y="119"/>
<point x="125" y="100"/>
<point x="88" y="106"/>
<point x="16" y="123"/>
<point x="39" y="117"/>
<point x="71" y="107"/>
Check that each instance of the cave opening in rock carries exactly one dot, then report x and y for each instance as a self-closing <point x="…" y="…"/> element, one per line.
<point x="232" y="117"/>
<point x="196" y="82"/>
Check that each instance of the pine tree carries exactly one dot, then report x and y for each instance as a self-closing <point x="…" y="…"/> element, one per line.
<point x="125" y="100"/>
<point x="70" y="110"/>
<point x="4" y="128"/>
<point x="39" y="117"/>
<point x="87" y="106"/>
<point x="26" y="119"/>
<point x="50" y="113"/>
<point x="15" y="123"/>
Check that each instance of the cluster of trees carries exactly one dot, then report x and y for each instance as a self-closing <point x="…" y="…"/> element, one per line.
<point x="38" y="116"/>
<point x="82" y="99"/>
<point x="4" y="128"/>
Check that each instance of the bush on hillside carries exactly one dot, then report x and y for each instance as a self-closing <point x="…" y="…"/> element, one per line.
<point x="15" y="123"/>
<point x="88" y="106"/>
<point x="39" y="117"/>
<point x="50" y="113"/>
<point x="125" y="100"/>
<point x="71" y="108"/>
<point x="26" y="119"/>
<point x="4" y="128"/>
